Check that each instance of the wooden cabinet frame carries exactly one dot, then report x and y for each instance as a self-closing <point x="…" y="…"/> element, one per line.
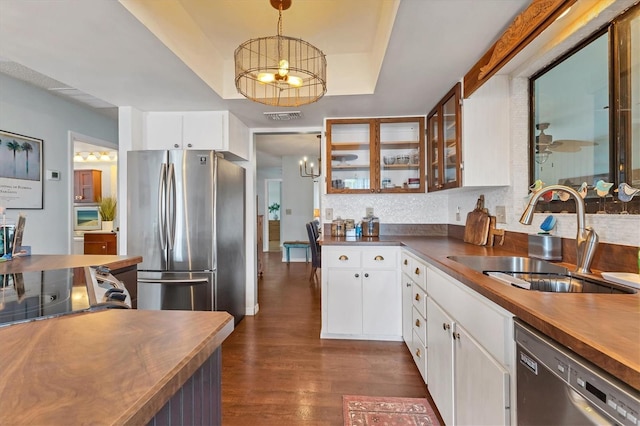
<point x="437" y="160"/>
<point x="375" y="147"/>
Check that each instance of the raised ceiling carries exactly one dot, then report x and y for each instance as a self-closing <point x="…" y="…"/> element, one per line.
<point x="385" y="57"/>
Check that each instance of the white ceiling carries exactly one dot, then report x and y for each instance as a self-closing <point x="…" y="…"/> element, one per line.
<point x="100" y="48"/>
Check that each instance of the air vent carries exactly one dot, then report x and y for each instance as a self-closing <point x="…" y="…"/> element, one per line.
<point x="284" y="115"/>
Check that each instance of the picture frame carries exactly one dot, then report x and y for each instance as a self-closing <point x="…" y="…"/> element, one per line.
<point x="21" y="171"/>
<point x="86" y="218"/>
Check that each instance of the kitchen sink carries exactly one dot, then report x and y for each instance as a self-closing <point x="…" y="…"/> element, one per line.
<point x="538" y="275"/>
<point x="509" y="264"/>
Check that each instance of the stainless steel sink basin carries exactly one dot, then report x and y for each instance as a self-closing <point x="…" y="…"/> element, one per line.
<point x="509" y="264"/>
<point x="562" y="283"/>
<point x="538" y="275"/>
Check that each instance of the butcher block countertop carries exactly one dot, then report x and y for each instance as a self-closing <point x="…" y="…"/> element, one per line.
<point x="45" y="262"/>
<point x="110" y="367"/>
<point x="603" y="328"/>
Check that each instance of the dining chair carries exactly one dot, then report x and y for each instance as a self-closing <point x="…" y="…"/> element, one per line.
<point x="312" y="232"/>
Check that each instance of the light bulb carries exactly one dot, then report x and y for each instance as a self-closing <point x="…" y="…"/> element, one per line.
<point x="283" y="67"/>
<point x="266" y="77"/>
<point x="294" y="81"/>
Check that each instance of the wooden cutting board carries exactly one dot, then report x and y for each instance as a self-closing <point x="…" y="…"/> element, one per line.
<point x="476" y="230"/>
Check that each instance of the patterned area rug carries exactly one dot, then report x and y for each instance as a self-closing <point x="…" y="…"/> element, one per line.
<point x="387" y="411"/>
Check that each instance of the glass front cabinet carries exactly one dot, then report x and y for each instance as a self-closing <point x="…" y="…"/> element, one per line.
<point x="443" y="142"/>
<point x="375" y="155"/>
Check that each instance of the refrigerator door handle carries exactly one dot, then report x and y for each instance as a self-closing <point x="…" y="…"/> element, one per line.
<point x="162" y="210"/>
<point x="172" y="203"/>
<point x="189" y="281"/>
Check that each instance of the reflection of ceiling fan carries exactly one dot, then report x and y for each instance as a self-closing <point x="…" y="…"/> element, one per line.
<point x="546" y="145"/>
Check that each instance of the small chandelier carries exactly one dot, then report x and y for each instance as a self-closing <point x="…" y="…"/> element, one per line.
<point x="279" y="70"/>
<point x="304" y="170"/>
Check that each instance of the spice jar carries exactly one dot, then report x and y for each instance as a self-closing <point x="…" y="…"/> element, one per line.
<point x="370" y="226"/>
<point x="337" y="228"/>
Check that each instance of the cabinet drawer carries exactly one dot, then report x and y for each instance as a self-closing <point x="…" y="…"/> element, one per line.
<point x="406" y="262"/>
<point x="419" y="274"/>
<point x="420" y="356"/>
<point x="419" y="300"/>
<point x="380" y="257"/>
<point x="338" y="257"/>
<point x="420" y="326"/>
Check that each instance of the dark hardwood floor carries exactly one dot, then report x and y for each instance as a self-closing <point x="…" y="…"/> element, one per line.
<point x="277" y="371"/>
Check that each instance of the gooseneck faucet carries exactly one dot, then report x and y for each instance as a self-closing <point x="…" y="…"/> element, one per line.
<point x="586" y="239"/>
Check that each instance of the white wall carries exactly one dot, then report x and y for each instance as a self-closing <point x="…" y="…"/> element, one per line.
<point x="31" y="111"/>
<point x="297" y="205"/>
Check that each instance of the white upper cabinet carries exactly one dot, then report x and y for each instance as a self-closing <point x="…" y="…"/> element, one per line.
<point x="485" y="135"/>
<point x="216" y="130"/>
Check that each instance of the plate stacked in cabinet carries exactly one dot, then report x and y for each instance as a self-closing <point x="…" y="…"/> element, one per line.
<point x="414" y="309"/>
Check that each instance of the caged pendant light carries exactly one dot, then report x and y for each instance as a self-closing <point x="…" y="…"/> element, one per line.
<point x="280" y="70"/>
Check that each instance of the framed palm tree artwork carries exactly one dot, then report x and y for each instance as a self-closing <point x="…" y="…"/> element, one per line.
<point x="20" y="171"/>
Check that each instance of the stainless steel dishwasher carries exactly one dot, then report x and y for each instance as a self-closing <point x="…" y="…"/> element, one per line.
<point x="557" y="387"/>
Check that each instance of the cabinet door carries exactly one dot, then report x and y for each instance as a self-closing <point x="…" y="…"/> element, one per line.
<point x="481" y="384"/>
<point x="204" y="130"/>
<point x="87" y="186"/>
<point x="381" y="303"/>
<point x="443" y="142"/>
<point x="375" y="155"/>
<point x="407" y="309"/>
<point x="401" y="153"/>
<point x="344" y="301"/>
<point x="163" y="130"/>
<point x="100" y="243"/>
<point x="440" y="356"/>
<point x="350" y="154"/>
<point x="485" y="134"/>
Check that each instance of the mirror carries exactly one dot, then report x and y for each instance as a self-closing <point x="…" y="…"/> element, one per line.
<point x="586" y="120"/>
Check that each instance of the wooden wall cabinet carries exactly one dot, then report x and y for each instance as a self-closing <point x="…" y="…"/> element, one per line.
<point x="444" y="142"/>
<point x="87" y="186"/>
<point x="375" y="155"/>
<point x="464" y="138"/>
<point x="100" y="243"/>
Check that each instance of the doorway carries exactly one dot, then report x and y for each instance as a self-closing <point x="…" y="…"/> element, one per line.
<point x="273" y="202"/>
<point x="90" y="154"/>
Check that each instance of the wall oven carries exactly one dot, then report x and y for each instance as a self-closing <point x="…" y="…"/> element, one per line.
<point x="557" y="387"/>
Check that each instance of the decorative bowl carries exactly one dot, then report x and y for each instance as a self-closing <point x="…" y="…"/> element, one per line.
<point x="389" y="159"/>
<point x="402" y="158"/>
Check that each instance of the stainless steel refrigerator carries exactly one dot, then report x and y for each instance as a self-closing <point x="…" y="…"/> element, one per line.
<point x="186" y="218"/>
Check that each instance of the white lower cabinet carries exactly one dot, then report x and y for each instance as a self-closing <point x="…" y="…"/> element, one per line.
<point x="361" y="293"/>
<point x="470" y="351"/>
<point x="481" y="387"/>
<point x="440" y="371"/>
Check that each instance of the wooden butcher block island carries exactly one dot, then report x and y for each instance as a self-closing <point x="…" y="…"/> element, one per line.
<point x="118" y="366"/>
<point x="110" y="366"/>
